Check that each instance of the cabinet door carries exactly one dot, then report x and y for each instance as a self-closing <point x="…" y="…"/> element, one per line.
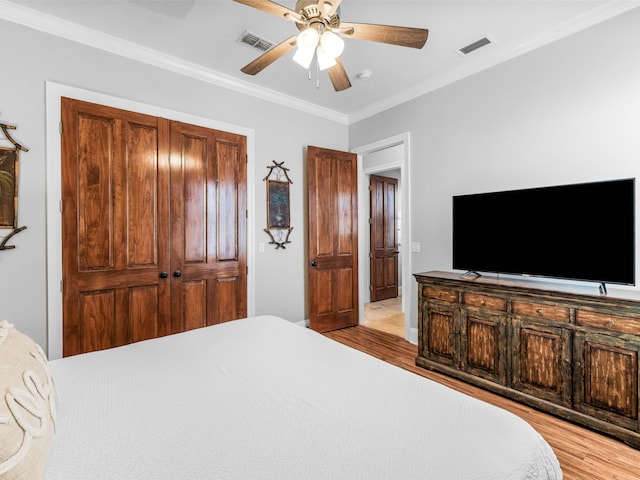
<point x="440" y="340"/>
<point x="606" y="378"/>
<point x="483" y="344"/>
<point x="541" y="361"/>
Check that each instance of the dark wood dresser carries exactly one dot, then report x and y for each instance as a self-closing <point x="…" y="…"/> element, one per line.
<point x="563" y="349"/>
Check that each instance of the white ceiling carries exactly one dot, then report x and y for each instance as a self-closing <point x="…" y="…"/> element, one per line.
<point x="199" y="38"/>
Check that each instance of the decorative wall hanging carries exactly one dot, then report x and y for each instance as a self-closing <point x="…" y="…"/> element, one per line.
<point x="9" y="186"/>
<point x="278" y="209"/>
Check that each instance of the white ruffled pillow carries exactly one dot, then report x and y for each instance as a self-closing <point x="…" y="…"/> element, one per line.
<point x="26" y="406"/>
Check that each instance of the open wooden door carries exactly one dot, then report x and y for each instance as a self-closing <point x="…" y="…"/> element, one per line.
<point x="333" y="239"/>
<point x="384" y="239"/>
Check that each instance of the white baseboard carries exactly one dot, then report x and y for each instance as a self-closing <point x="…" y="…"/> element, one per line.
<point x="413" y="336"/>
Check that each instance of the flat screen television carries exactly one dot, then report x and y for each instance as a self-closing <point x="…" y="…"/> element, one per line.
<point x="581" y="231"/>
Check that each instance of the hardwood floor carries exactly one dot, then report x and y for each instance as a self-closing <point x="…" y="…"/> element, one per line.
<point x="583" y="454"/>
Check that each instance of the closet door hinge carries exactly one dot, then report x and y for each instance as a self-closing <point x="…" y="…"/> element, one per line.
<point x="61" y="286"/>
<point x="60" y="127"/>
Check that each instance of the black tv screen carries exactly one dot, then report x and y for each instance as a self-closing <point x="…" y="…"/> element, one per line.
<point x="578" y="232"/>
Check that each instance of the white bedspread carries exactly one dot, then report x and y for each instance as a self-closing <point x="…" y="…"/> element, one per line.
<point x="261" y="398"/>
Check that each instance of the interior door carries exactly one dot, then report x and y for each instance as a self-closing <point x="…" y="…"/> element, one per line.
<point x="209" y="226"/>
<point x="333" y="239"/>
<point x="383" y="252"/>
<point x="115" y="203"/>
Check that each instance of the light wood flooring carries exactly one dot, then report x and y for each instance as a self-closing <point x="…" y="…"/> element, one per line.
<point x="385" y="315"/>
<point x="583" y="454"/>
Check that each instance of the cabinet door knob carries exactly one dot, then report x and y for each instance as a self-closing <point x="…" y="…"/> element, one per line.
<point x="164" y="274"/>
<point x="314" y="264"/>
<point x="539" y="311"/>
<point x="177" y="273"/>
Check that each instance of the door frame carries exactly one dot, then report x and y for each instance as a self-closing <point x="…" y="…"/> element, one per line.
<point x="404" y="139"/>
<point x="53" y="175"/>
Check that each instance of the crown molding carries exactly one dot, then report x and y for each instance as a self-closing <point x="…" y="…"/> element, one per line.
<point x="77" y="33"/>
<point x="72" y="31"/>
<point x="592" y="17"/>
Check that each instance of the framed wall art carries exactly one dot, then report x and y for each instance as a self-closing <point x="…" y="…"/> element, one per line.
<point x="8" y="187"/>
<point x="278" y="205"/>
<point x="9" y="157"/>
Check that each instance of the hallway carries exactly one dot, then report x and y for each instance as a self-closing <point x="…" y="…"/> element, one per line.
<point x="386" y="316"/>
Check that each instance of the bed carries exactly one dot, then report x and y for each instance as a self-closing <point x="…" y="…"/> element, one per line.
<point x="262" y="398"/>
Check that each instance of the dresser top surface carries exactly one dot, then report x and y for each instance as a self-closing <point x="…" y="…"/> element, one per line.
<point x="534" y="285"/>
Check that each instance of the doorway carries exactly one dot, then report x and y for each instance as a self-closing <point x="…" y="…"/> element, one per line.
<point x="388" y="157"/>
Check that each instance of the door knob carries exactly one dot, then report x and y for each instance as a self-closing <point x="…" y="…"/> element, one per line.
<point x="314" y="264"/>
<point x="177" y="273"/>
<point x="164" y="274"/>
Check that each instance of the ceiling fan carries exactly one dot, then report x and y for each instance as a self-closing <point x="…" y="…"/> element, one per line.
<point x="320" y="35"/>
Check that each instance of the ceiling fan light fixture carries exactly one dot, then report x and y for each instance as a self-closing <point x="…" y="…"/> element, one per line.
<point x="332" y="44"/>
<point x="303" y="57"/>
<point x="308" y="39"/>
<point x="325" y="59"/>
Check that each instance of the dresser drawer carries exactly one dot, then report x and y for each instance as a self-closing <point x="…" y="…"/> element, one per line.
<point x="541" y="310"/>
<point x="616" y="323"/>
<point x="484" y="301"/>
<point x="442" y="294"/>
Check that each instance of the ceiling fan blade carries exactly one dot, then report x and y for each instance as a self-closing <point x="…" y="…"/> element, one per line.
<point x="334" y="6"/>
<point x="338" y="76"/>
<point x="266" y="59"/>
<point x="403" y="36"/>
<point x="272" y="8"/>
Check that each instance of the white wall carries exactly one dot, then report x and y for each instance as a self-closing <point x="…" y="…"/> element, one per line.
<point x="33" y="58"/>
<point x="568" y="112"/>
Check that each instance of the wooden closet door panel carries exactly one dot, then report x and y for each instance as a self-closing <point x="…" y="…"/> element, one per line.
<point x="96" y="159"/>
<point x="142" y="181"/>
<point x="208" y="211"/>
<point x="115" y="189"/>
<point x="143" y="312"/>
<point x="96" y="331"/>
<point x="228" y="227"/>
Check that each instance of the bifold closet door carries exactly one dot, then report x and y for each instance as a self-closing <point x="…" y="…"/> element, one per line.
<point x="115" y="224"/>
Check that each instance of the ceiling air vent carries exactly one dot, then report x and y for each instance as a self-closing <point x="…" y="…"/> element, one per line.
<point x="254" y="41"/>
<point x="475" y="45"/>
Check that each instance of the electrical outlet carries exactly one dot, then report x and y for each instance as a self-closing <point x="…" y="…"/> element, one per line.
<point x="261" y="247"/>
<point x="415" y="247"/>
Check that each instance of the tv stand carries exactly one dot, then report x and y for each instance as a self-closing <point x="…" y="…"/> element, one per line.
<point x="563" y="349"/>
